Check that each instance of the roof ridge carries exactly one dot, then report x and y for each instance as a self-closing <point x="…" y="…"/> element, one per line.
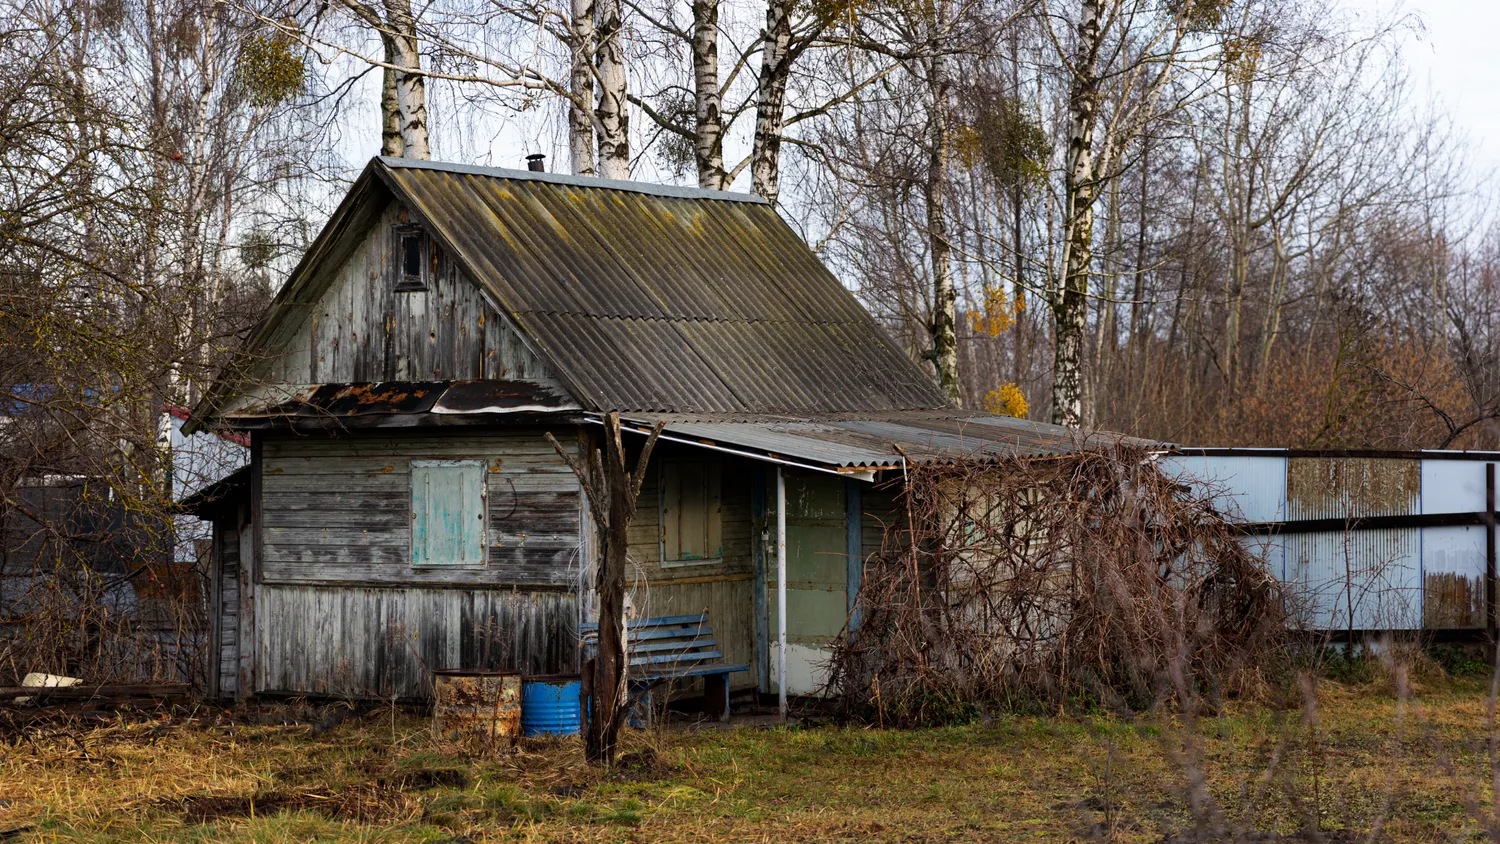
<point x="635" y="318"/>
<point x="651" y="188"/>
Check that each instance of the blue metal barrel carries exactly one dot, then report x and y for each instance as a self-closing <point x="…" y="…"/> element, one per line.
<point x="551" y="705"/>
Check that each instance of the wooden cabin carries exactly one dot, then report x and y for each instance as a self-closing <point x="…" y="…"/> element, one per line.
<point x="402" y="511"/>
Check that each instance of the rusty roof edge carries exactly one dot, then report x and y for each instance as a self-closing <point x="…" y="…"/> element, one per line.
<point x="651" y="188"/>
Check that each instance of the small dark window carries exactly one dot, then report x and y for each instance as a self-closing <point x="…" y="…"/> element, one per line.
<point x="411" y="259"/>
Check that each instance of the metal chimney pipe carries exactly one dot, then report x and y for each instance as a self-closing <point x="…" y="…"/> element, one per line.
<point x="534" y="163"/>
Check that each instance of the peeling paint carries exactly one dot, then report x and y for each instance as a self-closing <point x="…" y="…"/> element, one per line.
<point x="1452" y="601"/>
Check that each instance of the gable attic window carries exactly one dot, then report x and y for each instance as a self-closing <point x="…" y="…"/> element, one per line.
<point x="411" y="258"/>
<point x="447" y="512"/>
<point x="688" y="513"/>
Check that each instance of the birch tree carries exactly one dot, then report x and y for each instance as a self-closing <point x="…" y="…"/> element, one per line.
<point x="944" y="326"/>
<point x="403" y="100"/>
<point x="581" y="87"/>
<point x="611" y="114"/>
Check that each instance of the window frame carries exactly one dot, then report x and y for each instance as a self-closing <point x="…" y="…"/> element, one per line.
<point x="405" y="283"/>
<point x="484" y="512"/>
<point x="661" y="515"/>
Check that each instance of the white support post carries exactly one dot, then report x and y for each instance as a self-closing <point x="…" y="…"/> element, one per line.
<point x="781" y="593"/>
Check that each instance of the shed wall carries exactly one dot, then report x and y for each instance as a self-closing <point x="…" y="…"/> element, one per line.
<point x="356" y="328"/>
<point x="725" y="588"/>
<point x="1403" y="578"/>
<point x="341" y="610"/>
<point x="337" y="509"/>
<point x="385" y="642"/>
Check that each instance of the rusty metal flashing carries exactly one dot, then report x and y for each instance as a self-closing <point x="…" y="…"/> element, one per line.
<point x="407" y="398"/>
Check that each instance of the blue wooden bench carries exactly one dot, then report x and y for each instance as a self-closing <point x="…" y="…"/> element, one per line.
<point x="672" y="647"/>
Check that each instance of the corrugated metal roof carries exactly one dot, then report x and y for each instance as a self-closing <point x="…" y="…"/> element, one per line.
<point x="883" y="441"/>
<point x="649" y="298"/>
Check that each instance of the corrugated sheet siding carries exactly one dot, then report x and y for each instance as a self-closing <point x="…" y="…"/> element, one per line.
<point x="1453" y="577"/>
<point x="1352" y="487"/>
<point x="1431" y="577"/>
<point x="385" y="642"/>
<point x="1251" y="489"/>
<point x="338" y="509"/>
<point x="1453" y="486"/>
<point x="1453" y="557"/>
<point x="1367" y="579"/>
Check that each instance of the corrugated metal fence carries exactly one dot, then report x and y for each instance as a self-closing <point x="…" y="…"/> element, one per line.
<point x="1363" y="540"/>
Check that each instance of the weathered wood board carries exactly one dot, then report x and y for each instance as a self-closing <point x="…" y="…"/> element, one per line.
<point x="355" y="327"/>
<point x="337" y="509"/>
<point x="386" y="642"/>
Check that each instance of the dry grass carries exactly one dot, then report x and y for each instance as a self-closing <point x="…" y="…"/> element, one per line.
<point x="1423" y="777"/>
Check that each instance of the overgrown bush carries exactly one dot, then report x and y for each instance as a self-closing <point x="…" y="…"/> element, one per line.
<point x="1086" y="581"/>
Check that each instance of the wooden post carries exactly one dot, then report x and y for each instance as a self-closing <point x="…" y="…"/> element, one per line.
<point x="854" y="568"/>
<point x="762" y="613"/>
<point x="1489" y="559"/>
<point x="612" y="490"/>
<point x="781" y="593"/>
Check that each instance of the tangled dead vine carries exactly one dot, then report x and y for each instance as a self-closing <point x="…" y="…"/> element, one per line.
<point x="1087" y="580"/>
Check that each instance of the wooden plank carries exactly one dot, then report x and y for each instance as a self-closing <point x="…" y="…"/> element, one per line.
<point x="758" y="512"/>
<point x="698" y="671"/>
<point x="654" y="647"/>
<point x="50" y="693"/>
<point x="691" y="656"/>
<point x="854" y="549"/>
<point x="661" y="621"/>
<point x="251" y="553"/>
<point x="364" y="642"/>
<point x="713" y="495"/>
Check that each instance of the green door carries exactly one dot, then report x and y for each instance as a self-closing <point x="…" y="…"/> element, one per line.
<point x="817" y="561"/>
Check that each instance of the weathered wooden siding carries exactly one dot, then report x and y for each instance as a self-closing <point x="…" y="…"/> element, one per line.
<point x="356" y="328"/>
<point x="385" y="642"/>
<point x="337" y="509"/>
<point x="228" y="627"/>
<point x="726" y="588"/>
<point x="880" y="509"/>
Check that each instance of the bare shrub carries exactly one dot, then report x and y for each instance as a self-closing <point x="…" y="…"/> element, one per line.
<point x="1086" y="580"/>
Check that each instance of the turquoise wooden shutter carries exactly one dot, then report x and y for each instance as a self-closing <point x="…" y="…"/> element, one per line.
<point x="447" y="512"/>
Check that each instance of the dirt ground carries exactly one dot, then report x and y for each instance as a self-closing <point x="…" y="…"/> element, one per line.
<point x="1360" y="765"/>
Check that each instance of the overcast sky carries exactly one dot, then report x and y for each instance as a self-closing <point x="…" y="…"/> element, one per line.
<point x="1451" y="49"/>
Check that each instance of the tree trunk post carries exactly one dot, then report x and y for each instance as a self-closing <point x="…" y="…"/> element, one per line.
<point x="612" y="490"/>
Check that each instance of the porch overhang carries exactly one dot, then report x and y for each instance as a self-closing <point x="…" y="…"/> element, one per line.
<point x="862" y="445"/>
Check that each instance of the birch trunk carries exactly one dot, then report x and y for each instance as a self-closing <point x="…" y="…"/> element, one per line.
<point x="709" y="131"/>
<point x="613" y="120"/>
<point x="411" y="87"/>
<point x="944" y="299"/>
<point x="390" y="107"/>
<point x="581" y="85"/>
<point x="770" y="100"/>
<point x="1070" y="307"/>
